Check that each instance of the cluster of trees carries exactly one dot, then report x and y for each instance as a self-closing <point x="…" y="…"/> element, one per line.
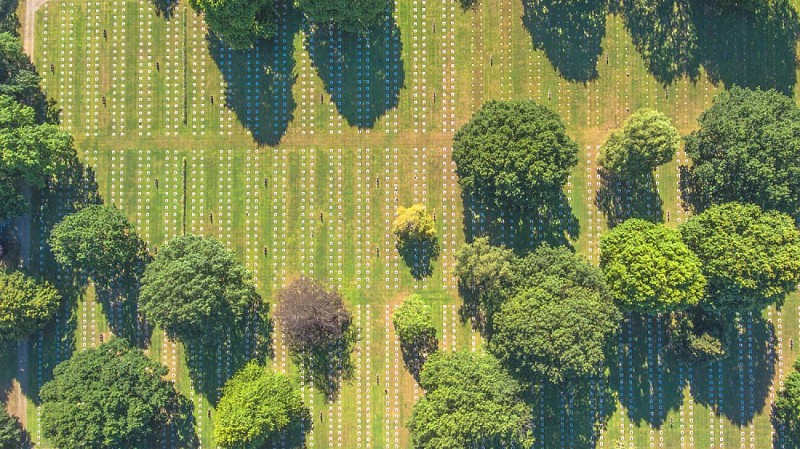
<point x="241" y="23"/>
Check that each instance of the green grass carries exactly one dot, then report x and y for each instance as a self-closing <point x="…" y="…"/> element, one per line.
<point x="325" y="165"/>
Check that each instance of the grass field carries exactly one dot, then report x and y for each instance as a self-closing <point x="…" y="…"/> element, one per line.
<point x="297" y="153"/>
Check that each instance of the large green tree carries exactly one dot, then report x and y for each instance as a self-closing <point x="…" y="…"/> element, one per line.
<point x="30" y="153"/>
<point x="110" y="397"/>
<point x="554" y="332"/>
<point x="12" y="436"/>
<point x="352" y="16"/>
<point x="751" y="258"/>
<point x="514" y="156"/>
<point x="786" y="411"/>
<point x="469" y="402"/>
<point x="647" y="140"/>
<point x="196" y="289"/>
<point x="747" y="149"/>
<point x="26" y="305"/>
<point x="649" y="269"/>
<point x="413" y="324"/>
<point x="239" y="23"/>
<point x="256" y="406"/>
<point x="100" y="241"/>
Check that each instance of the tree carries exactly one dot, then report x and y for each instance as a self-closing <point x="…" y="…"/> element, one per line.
<point x="100" y="241"/>
<point x="700" y="337"/>
<point x="413" y="324"/>
<point x="786" y="411"/>
<point x="239" y="23"/>
<point x="649" y="269"/>
<point x="484" y="272"/>
<point x="26" y="305"/>
<point x="12" y="436"/>
<point x="469" y="402"/>
<point x="350" y="16"/>
<point x="195" y="289"/>
<point x="561" y="261"/>
<point x="113" y="397"/>
<point x="750" y="258"/>
<point x="746" y="149"/>
<point x="554" y="333"/>
<point x="417" y="243"/>
<point x="318" y="331"/>
<point x="647" y="140"/>
<point x="514" y="156"/>
<point x="256" y="406"/>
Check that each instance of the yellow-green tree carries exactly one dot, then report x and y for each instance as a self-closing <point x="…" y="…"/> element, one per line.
<point x="415" y="231"/>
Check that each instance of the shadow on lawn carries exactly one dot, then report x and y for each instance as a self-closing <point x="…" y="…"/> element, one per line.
<point x="585" y="410"/>
<point x="570" y="33"/>
<point x="363" y="73"/>
<point x="620" y="200"/>
<point x="260" y="80"/>
<point x="735" y="46"/>
<point x="552" y="222"/>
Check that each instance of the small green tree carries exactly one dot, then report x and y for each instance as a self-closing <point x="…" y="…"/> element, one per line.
<point x="112" y="397"/>
<point x="786" y="411"/>
<point x="196" y="289"/>
<point x="256" y="406"/>
<point x="751" y="258"/>
<point x="413" y="323"/>
<point x="484" y="272"/>
<point x="239" y="23"/>
<point x="350" y="16"/>
<point x="649" y="269"/>
<point x="554" y="333"/>
<point x="417" y="242"/>
<point x="26" y="305"/>
<point x="647" y="140"/>
<point x="100" y="241"/>
<point x="469" y="402"/>
<point x="514" y="156"/>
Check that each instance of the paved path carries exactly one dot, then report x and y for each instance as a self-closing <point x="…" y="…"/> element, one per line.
<point x="31" y="6"/>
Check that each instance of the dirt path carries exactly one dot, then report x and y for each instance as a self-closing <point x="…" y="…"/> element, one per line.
<point x="31" y="6"/>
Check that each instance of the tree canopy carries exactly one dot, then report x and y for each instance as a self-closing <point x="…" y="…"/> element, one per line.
<point x="239" y="23"/>
<point x="311" y="316"/>
<point x="12" y="436"/>
<point x="109" y="397"/>
<point x="413" y="324"/>
<point x="413" y="225"/>
<point x="649" y="269"/>
<point x="196" y="289"/>
<point x="750" y="258"/>
<point x="647" y="140"/>
<point x="514" y="155"/>
<point x="747" y="149"/>
<point x="30" y="153"/>
<point x="256" y="406"/>
<point x="351" y="16"/>
<point x="554" y="332"/>
<point x="470" y="401"/>
<point x="100" y="241"/>
<point x="26" y="305"/>
<point x="786" y="410"/>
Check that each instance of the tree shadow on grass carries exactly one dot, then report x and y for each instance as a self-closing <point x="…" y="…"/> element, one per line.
<point x="179" y="430"/>
<point x="419" y="256"/>
<point x="214" y="360"/>
<point x="328" y="366"/>
<point x="585" y="409"/>
<point x="570" y="33"/>
<point x="736" y="46"/>
<point x="363" y="73"/>
<point x="757" y="337"/>
<point x="120" y="306"/>
<point x="414" y="356"/>
<point x="260" y="80"/>
<point x="553" y="222"/>
<point x="620" y="199"/>
<point x="165" y="8"/>
<point x="651" y="385"/>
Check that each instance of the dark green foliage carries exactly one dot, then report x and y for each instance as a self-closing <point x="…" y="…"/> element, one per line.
<point x="469" y="402"/>
<point x="12" y="436"/>
<point x="19" y="80"/>
<point x="413" y="324"/>
<point x="514" y="156"/>
<point x="649" y="269"/>
<point x="700" y="337"/>
<point x="547" y="261"/>
<point x="485" y="272"/>
<point x="554" y="332"/>
<point x="750" y="258"/>
<point x="786" y="410"/>
<point x="196" y="289"/>
<point x="26" y="305"/>
<point x="747" y="149"/>
<point x="100" y="241"/>
<point x="257" y="405"/>
<point x="647" y="141"/>
<point x="239" y="23"/>
<point x="112" y="397"/>
<point x="351" y="16"/>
